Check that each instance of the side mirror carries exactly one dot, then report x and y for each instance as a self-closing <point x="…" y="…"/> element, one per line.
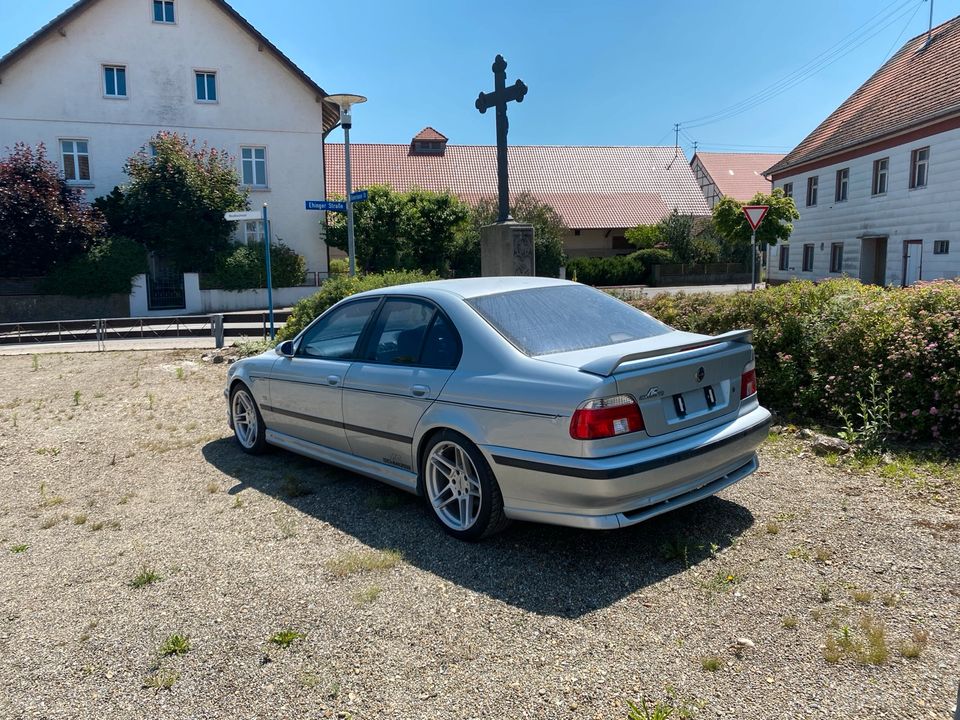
<point x="286" y="349"/>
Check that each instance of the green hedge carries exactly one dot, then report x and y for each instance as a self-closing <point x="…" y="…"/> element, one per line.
<point x="336" y="289"/>
<point x="632" y="269"/>
<point x="245" y="266"/>
<point x="822" y="348"/>
<point x="107" y="268"/>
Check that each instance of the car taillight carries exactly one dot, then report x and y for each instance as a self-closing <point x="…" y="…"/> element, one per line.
<point x="606" y="417"/>
<point x="748" y="383"/>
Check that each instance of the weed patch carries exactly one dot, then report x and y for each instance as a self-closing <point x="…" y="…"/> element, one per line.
<point x="145" y="577"/>
<point x="285" y="638"/>
<point x="350" y="563"/>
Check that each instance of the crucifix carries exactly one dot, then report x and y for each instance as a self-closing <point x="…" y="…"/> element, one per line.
<point x="499" y="99"/>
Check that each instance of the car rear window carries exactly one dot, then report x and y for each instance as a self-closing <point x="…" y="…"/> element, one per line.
<point x="542" y="321"/>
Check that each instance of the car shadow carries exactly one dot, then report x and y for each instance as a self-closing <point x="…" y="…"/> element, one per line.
<point x="540" y="568"/>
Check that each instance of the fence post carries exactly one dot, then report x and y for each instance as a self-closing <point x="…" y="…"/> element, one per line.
<point x="216" y="326"/>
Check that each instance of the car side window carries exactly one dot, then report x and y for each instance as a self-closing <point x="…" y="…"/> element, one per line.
<point x="442" y="348"/>
<point x="335" y="336"/>
<point x="400" y="330"/>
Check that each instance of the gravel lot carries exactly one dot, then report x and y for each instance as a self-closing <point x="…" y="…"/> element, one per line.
<point x="117" y="466"/>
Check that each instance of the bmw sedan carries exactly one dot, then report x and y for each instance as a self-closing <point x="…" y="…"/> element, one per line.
<point x="509" y="398"/>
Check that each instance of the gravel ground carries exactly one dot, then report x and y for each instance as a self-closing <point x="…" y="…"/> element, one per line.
<point x="137" y="476"/>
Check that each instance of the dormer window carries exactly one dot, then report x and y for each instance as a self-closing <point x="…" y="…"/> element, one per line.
<point x="428" y="142"/>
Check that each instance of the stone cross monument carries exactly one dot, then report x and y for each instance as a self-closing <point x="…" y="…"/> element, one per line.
<point x="507" y="247"/>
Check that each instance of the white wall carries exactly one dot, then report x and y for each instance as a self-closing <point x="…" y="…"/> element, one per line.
<point x="215" y="301"/>
<point x="55" y="91"/>
<point x="140" y="301"/>
<point x="929" y="214"/>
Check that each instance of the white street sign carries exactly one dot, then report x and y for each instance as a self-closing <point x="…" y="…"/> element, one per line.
<point x="243" y="215"/>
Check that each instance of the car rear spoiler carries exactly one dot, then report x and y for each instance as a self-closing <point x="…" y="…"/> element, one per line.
<point x="608" y="365"/>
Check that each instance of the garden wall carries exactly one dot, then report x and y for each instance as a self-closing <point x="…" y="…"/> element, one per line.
<point x="37" y="308"/>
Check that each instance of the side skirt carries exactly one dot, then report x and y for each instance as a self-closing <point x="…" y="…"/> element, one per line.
<point x="397" y="477"/>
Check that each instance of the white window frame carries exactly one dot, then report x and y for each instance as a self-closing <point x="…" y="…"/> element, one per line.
<point x="788" y="189"/>
<point x="103" y="81"/>
<point x="197" y="72"/>
<point x="252" y="231"/>
<point x="153" y="14"/>
<point x="875" y="190"/>
<point x="941" y="247"/>
<point x="916" y="164"/>
<point x="253" y="161"/>
<point x="75" y="156"/>
<point x="813" y="190"/>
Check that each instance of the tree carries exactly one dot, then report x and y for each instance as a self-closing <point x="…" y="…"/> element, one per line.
<point x="402" y="231"/>
<point x="175" y="201"/>
<point x="644" y="237"/>
<point x="548" y="233"/>
<point x="44" y="222"/>
<point x="776" y="227"/>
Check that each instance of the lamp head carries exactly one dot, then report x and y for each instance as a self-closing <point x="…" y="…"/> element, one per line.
<point x="345" y="101"/>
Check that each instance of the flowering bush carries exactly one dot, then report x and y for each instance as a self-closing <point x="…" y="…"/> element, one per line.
<point x="818" y="346"/>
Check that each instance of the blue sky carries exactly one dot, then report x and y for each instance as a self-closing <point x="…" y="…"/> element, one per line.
<point x="606" y="72"/>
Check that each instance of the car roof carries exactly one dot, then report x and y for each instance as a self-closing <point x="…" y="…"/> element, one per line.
<point x="468" y="287"/>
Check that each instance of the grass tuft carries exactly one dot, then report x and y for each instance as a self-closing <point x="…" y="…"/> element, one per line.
<point x="176" y="644"/>
<point x="773" y="528"/>
<point x="368" y="595"/>
<point x="349" y="563"/>
<point x="22" y="548"/>
<point x="79" y="519"/>
<point x="285" y="638"/>
<point x="790" y="622"/>
<point x="862" y="597"/>
<point x="161" y="680"/>
<point x="711" y="663"/>
<point x="145" y="577"/>
<point x="917" y="643"/>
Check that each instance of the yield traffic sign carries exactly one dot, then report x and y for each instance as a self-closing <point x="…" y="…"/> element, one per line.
<point x="755" y="214"/>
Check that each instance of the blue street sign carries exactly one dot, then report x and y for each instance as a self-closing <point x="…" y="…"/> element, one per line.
<point x="358" y="196"/>
<point x="329" y="205"/>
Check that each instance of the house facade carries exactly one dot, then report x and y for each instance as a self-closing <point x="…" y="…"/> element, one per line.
<point x="737" y="175"/>
<point x="97" y="82"/>
<point x="599" y="192"/>
<point x="877" y="183"/>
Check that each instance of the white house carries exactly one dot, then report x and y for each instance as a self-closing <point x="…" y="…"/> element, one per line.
<point x="97" y="82"/>
<point x="877" y="184"/>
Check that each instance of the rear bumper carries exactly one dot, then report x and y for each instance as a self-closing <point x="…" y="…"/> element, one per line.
<point x="612" y="492"/>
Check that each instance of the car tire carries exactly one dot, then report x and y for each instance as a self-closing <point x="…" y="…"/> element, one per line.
<point x="248" y="427"/>
<point x="460" y="489"/>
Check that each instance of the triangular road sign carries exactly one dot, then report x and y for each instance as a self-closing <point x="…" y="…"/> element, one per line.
<point x="755" y="214"/>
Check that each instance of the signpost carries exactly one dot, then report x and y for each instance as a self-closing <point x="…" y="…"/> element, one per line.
<point x="242" y="215"/>
<point x="755" y="215"/>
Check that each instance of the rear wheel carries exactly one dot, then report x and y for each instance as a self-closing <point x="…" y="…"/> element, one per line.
<point x="461" y="489"/>
<point x="248" y="425"/>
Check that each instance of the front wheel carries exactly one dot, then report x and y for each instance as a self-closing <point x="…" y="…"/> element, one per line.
<point x="461" y="489"/>
<point x="248" y="425"/>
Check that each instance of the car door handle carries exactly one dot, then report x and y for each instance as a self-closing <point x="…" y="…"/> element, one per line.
<point x="333" y="379"/>
<point x="419" y="390"/>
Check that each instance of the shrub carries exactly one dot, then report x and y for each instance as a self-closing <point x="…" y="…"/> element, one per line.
<point x="336" y="289"/>
<point x="617" y="270"/>
<point x="339" y="265"/>
<point x="246" y="267"/>
<point x="109" y="267"/>
<point x="43" y="221"/>
<point x="823" y="349"/>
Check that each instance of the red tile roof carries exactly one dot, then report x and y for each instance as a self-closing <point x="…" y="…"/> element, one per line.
<point x="428" y="134"/>
<point x="739" y="175"/>
<point x="917" y="85"/>
<point x="591" y="187"/>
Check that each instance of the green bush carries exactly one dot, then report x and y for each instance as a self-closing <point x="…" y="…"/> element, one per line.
<point x="108" y="267"/>
<point x="617" y="270"/>
<point x="653" y="256"/>
<point x="339" y="265"/>
<point x="822" y="349"/>
<point x="336" y="289"/>
<point x="245" y="266"/>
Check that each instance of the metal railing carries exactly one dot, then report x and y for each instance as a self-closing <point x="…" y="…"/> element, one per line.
<point x="99" y="330"/>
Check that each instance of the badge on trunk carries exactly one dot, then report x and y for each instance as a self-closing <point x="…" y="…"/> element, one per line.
<point x="700" y="374"/>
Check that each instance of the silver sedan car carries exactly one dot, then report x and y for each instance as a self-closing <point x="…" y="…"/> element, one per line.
<point x="509" y="398"/>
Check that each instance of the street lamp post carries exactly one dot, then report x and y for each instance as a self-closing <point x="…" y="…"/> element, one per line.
<point x="345" y="101"/>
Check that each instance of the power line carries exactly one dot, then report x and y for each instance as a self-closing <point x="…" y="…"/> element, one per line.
<point x="897" y="41"/>
<point x="877" y="24"/>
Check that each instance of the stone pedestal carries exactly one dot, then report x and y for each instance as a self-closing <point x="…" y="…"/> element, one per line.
<point x="507" y="249"/>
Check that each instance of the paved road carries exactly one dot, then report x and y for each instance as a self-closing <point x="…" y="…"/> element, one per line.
<point x="172" y="343"/>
